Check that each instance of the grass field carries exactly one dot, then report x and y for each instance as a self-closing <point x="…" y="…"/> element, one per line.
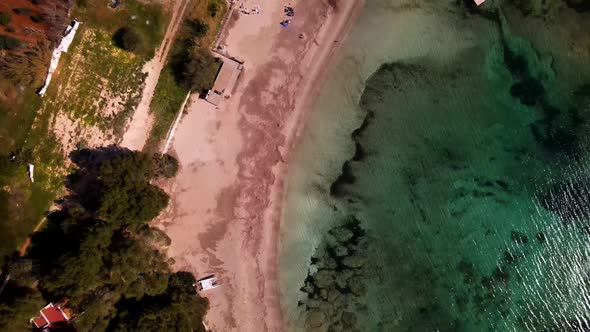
<point x="169" y="95"/>
<point x="93" y="92"/>
<point x="100" y="85"/>
<point x="147" y="19"/>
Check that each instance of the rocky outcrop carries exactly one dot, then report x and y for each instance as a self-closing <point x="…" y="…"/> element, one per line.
<point x="335" y="286"/>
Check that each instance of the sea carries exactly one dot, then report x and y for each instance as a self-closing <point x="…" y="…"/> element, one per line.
<point x="442" y="182"/>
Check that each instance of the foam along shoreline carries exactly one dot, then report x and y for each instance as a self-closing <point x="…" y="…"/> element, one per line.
<point x="226" y="200"/>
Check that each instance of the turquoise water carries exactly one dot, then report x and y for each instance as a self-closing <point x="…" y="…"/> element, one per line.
<point x="445" y="183"/>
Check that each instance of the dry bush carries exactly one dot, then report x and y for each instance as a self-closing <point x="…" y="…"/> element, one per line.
<point x="28" y="68"/>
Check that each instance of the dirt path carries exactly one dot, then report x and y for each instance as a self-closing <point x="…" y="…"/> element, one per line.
<point x="23" y="249"/>
<point x="139" y="127"/>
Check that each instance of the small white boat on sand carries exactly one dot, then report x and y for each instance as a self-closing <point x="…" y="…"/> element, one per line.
<point x="207" y="283"/>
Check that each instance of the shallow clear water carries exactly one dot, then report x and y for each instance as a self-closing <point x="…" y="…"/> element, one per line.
<point x="443" y="181"/>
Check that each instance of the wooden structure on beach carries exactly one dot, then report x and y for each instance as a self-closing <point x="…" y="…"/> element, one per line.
<point x="226" y="79"/>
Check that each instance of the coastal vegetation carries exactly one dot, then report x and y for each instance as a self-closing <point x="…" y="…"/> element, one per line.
<point x="22" y="203"/>
<point x="190" y="66"/>
<point x="9" y="43"/>
<point x="195" y="68"/>
<point x="110" y="265"/>
<point x="128" y="39"/>
<point x="93" y="92"/>
<point x="5" y="18"/>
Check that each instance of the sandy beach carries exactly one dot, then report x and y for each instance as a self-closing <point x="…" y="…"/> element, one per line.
<point x="225" y="202"/>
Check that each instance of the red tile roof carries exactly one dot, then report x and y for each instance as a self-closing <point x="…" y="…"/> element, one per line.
<point x="39" y="321"/>
<point x="50" y="315"/>
<point x="53" y="315"/>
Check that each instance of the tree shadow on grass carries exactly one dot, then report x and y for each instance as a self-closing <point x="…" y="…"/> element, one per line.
<point x="77" y="213"/>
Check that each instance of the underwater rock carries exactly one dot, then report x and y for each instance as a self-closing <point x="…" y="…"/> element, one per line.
<point x="519" y="237"/>
<point x="313" y="303"/>
<point x="342" y="234"/>
<point x="334" y="296"/>
<point x="315" y="319"/>
<point x="357" y="286"/>
<point x="362" y="245"/>
<point x="359" y="152"/>
<point x="342" y="280"/>
<point x="308" y="288"/>
<point x="340" y="251"/>
<point x="327" y="263"/>
<point x="323" y="279"/>
<point x="501" y="275"/>
<point x="541" y="238"/>
<point x="348" y="320"/>
<point x="529" y="91"/>
<point x="510" y="258"/>
<point x="337" y="189"/>
<point x="355" y="261"/>
<point x="467" y="269"/>
<point x="335" y="282"/>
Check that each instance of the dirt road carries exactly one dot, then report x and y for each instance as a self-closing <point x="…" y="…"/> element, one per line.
<point x="139" y="127"/>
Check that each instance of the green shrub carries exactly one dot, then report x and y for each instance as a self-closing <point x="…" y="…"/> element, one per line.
<point x="128" y="39"/>
<point x="164" y="166"/>
<point x="9" y="43"/>
<point x="27" y="69"/>
<point x="212" y="8"/>
<point x="197" y="27"/>
<point x="38" y="18"/>
<point x="195" y="70"/>
<point x="82" y="3"/>
<point x="5" y="18"/>
<point x="22" y="11"/>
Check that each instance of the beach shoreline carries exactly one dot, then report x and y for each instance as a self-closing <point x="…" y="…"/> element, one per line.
<point x="226" y="202"/>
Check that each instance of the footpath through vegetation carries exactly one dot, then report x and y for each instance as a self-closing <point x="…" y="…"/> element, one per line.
<point x="190" y="66"/>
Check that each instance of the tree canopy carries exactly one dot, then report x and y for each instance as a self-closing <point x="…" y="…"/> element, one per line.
<point x="129" y="39"/>
<point x="5" y="18"/>
<point x="198" y="27"/>
<point x="9" y="43"/>
<point x="99" y="253"/>
<point x="197" y="69"/>
<point x="194" y="67"/>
